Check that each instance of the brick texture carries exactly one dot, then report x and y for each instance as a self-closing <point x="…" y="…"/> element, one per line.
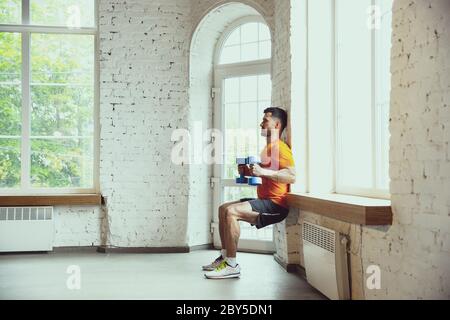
<point x="413" y="253"/>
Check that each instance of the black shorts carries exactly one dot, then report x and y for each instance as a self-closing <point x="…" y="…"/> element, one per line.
<point x="269" y="211"/>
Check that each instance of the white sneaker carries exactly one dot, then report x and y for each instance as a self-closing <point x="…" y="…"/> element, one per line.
<point x="214" y="264"/>
<point x="224" y="271"/>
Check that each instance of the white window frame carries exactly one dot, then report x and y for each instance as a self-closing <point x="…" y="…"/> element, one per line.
<point x="351" y="190"/>
<point x="221" y="72"/>
<point x="228" y="31"/>
<point x="304" y="92"/>
<point x="25" y="29"/>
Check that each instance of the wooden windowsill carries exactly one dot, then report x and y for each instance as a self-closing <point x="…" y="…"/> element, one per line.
<point x="51" y="200"/>
<point x="352" y="209"/>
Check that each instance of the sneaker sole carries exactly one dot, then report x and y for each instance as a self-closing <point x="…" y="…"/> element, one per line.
<point x="234" y="275"/>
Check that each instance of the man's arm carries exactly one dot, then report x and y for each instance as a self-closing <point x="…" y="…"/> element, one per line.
<point x="286" y="175"/>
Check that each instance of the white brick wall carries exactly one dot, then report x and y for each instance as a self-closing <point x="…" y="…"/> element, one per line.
<point x="77" y="226"/>
<point x="144" y="95"/>
<point x="414" y="253"/>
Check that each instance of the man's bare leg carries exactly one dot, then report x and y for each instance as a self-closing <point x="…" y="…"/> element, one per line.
<point x="233" y="214"/>
<point x="222" y="221"/>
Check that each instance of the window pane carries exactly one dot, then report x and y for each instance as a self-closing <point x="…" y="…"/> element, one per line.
<point x="250" y="41"/>
<point x="231" y="90"/>
<point x="265" y="48"/>
<point x="264" y="87"/>
<point x="62" y="100"/>
<point x="249" y="51"/>
<point x="231" y="54"/>
<point x="67" y="13"/>
<point x="262" y="105"/>
<point x="354" y="96"/>
<point x="62" y="91"/>
<point x="10" y="11"/>
<point x="9" y="163"/>
<point x="232" y="118"/>
<point x="264" y="33"/>
<point x="249" y="32"/>
<point x="10" y="84"/>
<point x="249" y="114"/>
<point x="249" y="91"/>
<point x="249" y="122"/>
<point x="234" y="38"/>
<point x="62" y="110"/>
<point x="62" y="163"/>
<point x="242" y="119"/>
<point x="62" y="59"/>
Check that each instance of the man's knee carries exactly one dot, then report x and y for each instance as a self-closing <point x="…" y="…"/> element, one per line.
<point x="222" y="210"/>
<point x="231" y="213"/>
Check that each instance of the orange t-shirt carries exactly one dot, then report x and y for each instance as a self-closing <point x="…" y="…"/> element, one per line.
<point x="275" y="156"/>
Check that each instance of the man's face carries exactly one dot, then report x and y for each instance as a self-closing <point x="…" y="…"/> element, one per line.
<point x="268" y="124"/>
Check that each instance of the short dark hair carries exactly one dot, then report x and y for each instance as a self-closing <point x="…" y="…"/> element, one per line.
<point x="279" y="114"/>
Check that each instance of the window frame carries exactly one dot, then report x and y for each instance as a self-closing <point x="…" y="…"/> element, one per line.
<point x="222" y="72"/>
<point x="352" y="190"/>
<point x="26" y="29"/>
<point x="306" y="75"/>
<point x="229" y="30"/>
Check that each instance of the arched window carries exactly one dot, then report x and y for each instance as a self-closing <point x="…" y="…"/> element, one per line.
<point x="249" y="41"/>
<point x="242" y="91"/>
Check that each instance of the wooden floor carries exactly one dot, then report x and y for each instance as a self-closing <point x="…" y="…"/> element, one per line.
<point x="146" y="276"/>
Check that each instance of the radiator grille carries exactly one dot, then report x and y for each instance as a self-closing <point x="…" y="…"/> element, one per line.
<point x="319" y="236"/>
<point x="25" y="213"/>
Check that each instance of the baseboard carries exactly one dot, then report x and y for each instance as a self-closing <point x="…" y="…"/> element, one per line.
<point x="300" y="270"/>
<point x="290" y="267"/>
<point x="5" y="253"/>
<point x="70" y="249"/>
<point x="105" y="249"/>
<point x="207" y="246"/>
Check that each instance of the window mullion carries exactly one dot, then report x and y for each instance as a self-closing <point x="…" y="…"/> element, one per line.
<point x="25" y="12"/>
<point x="26" y="124"/>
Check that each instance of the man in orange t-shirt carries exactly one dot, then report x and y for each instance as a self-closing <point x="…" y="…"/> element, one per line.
<point x="277" y="172"/>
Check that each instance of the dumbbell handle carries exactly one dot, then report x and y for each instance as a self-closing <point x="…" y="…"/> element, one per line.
<point x="251" y="180"/>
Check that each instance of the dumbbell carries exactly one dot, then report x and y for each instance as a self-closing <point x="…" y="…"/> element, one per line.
<point x="252" y="181"/>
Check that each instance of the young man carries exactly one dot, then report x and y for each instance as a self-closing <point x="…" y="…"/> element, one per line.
<point x="277" y="172"/>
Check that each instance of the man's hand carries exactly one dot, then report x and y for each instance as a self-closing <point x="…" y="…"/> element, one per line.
<point x="257" y="171"/>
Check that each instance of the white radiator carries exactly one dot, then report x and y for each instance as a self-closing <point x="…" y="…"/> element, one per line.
<point x="26" y="229"/>
<point x="325" y="257"/>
